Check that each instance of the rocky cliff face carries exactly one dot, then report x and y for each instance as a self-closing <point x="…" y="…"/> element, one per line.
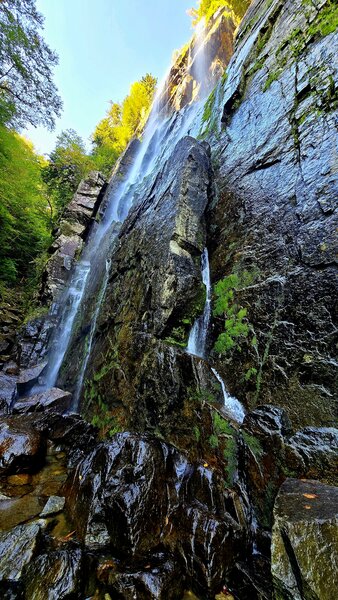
<point x="272" y="125"/>
<point x="181" y="496"/>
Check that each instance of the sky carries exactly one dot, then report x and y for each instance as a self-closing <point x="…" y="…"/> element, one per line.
<point x="103" y="47"/>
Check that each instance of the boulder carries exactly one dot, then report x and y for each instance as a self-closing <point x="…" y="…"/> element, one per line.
<point x="57" y="575"/>
<point x="133" y="495"/>
<point x="316" y="452"/>
<point x="54" y="505"/>
<point x="53" y="399"/>
<point x="305" y="541"/>
<point x="17" y="548"/>
<point x="159" y="579"/>
<point x="29" y="377"/>
<point x="22" y="448"/>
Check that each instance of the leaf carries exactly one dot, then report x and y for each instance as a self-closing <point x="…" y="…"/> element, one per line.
<point x="310" y="496"/>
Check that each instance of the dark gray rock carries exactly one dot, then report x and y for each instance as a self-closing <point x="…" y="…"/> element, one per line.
<point x="305" y="541"/>
<point x="54" y="505"/>
<point x="160" y="579"/>
<point x="277" y="177"/>
<point x="22" y="448"/>
<point x="55" y="576"/>
<point x="53" y="399"/>
<point x="132" y="495"/>
<point x="317" y="452"/>
<point x="17" y="548"/>
<point x="29" y="377"/>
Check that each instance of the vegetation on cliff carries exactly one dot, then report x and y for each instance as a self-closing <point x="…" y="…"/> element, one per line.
<point x="207" y="8"/>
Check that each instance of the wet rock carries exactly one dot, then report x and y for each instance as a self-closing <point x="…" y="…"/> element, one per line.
<point x="155" y="286"/>
<point x="272" y="130"/>
<point x="118" y="496"/>
<point x="73" y="228"/>
<point x="22" y="448"/>
<point x="184" y="77"/>
<point x="316" y="449"/>
<point x="73" y="434"/>
<point x="160" y="579"/>
<point x="263" y="457"/>
<point x="55" y="576"/>
<point x="17" y="548"/>
<point x="305" y="540"/>
<point x="53" y="399"/>
<point x="29" y="377"/>
<point x="133" y="494"/>
<point x="55" y="504"/>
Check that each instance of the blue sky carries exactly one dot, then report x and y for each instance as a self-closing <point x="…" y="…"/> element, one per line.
<point x="104" y="46"/>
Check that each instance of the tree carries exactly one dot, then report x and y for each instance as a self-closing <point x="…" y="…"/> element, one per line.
<point x="27" y="91"/>
<point x="68" y="164"/>
<point x="24" y="211"/>
<point x="207" y="8"/>
<point x="122" y="122"/>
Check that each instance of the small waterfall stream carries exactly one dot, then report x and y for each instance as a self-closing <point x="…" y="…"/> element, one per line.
<point x="197" y="343"/>
<point x="198" y="335"/>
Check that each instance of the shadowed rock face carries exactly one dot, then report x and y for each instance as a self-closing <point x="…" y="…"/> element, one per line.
<point x="155" y="286"/>
<point x="73" y="229"/>
<point x="133" y="496"/>
<point x="276" y="169"/>
<point x="305" y="540"/>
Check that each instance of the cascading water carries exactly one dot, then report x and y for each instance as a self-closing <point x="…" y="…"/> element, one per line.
<point x="197" y="344"/>
<point x="198" y="335"/>
<point x="231" y="407"/>
<point x="86" y="290"/>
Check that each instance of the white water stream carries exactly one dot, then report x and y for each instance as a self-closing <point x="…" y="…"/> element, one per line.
<point x="198" y="335"/>
<point x="89" y="280"/>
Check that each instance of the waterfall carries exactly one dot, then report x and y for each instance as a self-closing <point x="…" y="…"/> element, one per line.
<point x="198" y="334"/>
<point x="197" y="343"/>
<point x="200" y="63"/>
<point x="79" y="306"/>
<point x="231" y="407"/>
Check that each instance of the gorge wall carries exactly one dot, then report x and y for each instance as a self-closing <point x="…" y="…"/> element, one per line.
<point x="165" y="491"/>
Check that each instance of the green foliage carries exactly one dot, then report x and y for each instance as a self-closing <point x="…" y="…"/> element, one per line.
<point x="27" y="91"/>
<point x="235" y="321"/>
<point x="200" y="396"/>
<point x="221" y="425"/>
<point x="25" y="216"/>
<point x="253" y="444"/>
<point x="326" y="22"/>
<point x="213" y="441"/>
<point x="197" y="433"/>
<point x="122" y="122"/>
<point x="207" y="8"/>
<point x="252" y="372"/>
<point x="104" y="420"/>
<point x="68" y="164"/>
<point x="230" y="456"/>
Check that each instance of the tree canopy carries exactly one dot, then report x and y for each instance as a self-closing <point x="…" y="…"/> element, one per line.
<point x="207" y="8"/>
<point x="24" y="209"/>
<point x="122" y="121"/>
<point x="28" y="94"/>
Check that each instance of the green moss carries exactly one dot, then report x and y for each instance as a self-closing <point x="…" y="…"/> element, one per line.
<point x="213" y="441"/>
<point x="208" y="107"/>
<point x="104" y="420"/>
<point x="221" y="425"/>
<point x="253" y="443"/>
<point x="326" y="22"/>
<point x="197" y="433"/>
<point x="230" y="456"/>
